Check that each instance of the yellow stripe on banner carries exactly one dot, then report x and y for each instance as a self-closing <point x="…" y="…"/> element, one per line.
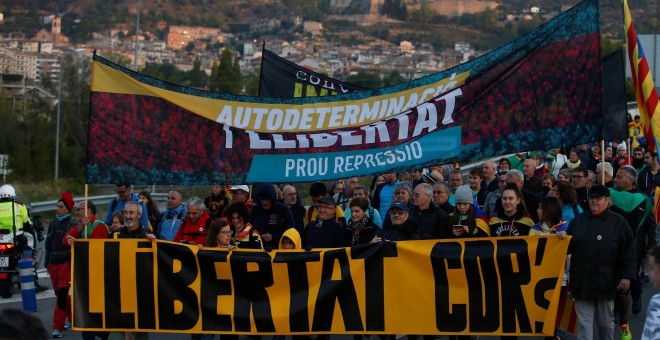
<point x="286" y="116"/>
<point x="476" y="286"/>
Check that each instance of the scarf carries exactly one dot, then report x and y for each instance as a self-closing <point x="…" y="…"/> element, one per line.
<point x="357" y="228"/>
<point x="63" y="217"/>
<point x="572" y="165"/>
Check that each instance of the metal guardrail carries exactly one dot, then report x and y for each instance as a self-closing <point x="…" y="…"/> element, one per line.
<point x="48" y="206"/>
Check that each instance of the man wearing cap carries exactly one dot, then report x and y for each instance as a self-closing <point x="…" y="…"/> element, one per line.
<point x="401" y="228"/>
<point x="271" y="217"/>
<point x="636" y="209"/>
<point x="324" y="232"/>
<point x="125" y="195"/>
<point x="58" y="260"/>
<point x="239" y="194"/>
<point x="602" y="264"/>
<point x="170" y="219"/>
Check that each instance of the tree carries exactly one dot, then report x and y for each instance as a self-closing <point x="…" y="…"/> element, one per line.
<point x="196" y="76"/>
<point x="393" y="78"/>
<point x="365" y="79"/>
<point x="227" y="77"/>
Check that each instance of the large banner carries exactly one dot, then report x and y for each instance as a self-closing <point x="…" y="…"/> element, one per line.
<point x="487" y="286"/>
<point x="540" y="91"/>
<point x="282" y="78"/>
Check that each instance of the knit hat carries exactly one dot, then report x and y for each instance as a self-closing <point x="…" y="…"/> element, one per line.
<point x="67" y="199"/>
<point x="464" y="194"/>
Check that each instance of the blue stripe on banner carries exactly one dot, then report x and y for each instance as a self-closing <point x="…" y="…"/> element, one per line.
<point x="434" y="147"/>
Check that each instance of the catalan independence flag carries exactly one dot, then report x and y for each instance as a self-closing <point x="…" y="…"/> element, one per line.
<point x="645" y="92"/>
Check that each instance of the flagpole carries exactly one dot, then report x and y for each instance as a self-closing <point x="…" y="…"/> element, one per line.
<point x="602" y="161"/>
<point x="261" y="67"/>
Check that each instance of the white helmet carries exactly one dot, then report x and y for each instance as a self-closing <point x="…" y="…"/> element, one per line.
<point x="7" y="191"/>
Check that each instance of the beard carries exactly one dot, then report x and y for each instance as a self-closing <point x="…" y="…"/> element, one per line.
<point x="638" y="163"/>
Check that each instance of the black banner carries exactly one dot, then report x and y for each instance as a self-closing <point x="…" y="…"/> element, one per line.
<point x="284" y="79"/>
<point x="615" y="120"/>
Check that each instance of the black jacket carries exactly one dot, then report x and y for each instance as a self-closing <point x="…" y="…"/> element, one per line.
<point x="603" y="253"/>
<point x="432" y="223"/>
<point x="404" y="232"/>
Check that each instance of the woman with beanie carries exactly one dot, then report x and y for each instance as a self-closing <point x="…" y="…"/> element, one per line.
<point x="58" y="261"/>
<point x="464" y="220"/>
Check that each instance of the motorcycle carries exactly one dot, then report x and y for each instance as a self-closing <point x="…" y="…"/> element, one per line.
<point x="10" y="254"/>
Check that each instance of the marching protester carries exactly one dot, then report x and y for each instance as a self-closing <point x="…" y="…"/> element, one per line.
<point x="568" y="199"/>
<point x="432" y="222"/>
<point x="90" y="226"/>
<point x="270" y="217"/>
<point x="325" y="231"/>
<point x="464" y="220"/>
<point x="152" y="208"/>
<point x="384" y="192"/>
<point x="132" y="230"/>
<point x="194" y="228"/>
<point x="291" y="239"/>
<point x="293" y="202"/>
<point x="550" y="222"/>
<point x="512" y="220"/>
<point x="220" y="235"/>
<point x="401" y="229"/>
<point x="652" y="323"/>
<point x="361" y="227"/>
<point x="245" y="235"/>
<point x="125" y="195"/>
<point x="317" y="191"/>
<point x="494" y="196"/>
<point x="373" y="213"/>
<point x="170" y="220"/>
<point x="58" y="262"/>
<point x="217" y="201"/>
<point x="602" y="264"/>
<point x="441" y="193"/>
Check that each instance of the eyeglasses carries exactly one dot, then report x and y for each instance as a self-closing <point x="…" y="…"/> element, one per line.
<point x="596" y="199"/>
<point x="227" y="232"/>
<point x="397" y="212"/>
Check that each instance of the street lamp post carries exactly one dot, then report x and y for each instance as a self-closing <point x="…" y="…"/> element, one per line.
<point x="57" y="133"/>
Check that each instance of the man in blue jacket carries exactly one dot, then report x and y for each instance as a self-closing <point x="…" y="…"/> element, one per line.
<point x="124" y="195"/>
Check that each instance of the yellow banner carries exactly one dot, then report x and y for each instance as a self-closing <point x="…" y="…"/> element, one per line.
<point x="285" y="115"/>
<point x="487" y="286"/>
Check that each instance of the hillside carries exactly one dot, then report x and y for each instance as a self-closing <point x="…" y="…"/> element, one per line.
<point x="82" y="17"/>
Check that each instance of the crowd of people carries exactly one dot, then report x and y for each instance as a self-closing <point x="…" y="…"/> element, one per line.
<point x="603" y="200"/>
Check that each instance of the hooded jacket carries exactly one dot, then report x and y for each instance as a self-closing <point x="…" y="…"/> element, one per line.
<point x="170" y="220"/>
<point x="273" y="221"/>
<point x="294" y="236"/>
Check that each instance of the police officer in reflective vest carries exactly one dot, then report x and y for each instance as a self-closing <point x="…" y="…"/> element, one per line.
<point x="14" y="220"/>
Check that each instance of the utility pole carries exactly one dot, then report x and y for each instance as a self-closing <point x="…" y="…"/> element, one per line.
<point x="137" y="37"/>
<point x="59" y="105"/>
